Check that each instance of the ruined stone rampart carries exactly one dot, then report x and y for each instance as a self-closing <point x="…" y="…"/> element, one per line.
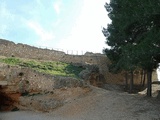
<point x="10" y="49"/>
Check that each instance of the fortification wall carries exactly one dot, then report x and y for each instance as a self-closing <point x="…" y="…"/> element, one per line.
<point x="10" y="49"/>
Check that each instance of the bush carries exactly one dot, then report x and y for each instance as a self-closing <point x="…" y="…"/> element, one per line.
<point x="53" y="68"/>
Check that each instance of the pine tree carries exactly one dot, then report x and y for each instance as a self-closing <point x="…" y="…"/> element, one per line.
<point x="134" y="35"/>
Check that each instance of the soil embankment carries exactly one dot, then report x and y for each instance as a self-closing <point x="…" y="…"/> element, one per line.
<point x="97" y="104"/>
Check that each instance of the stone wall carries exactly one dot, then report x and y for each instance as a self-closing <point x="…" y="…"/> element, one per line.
<point x="10" y="49"/>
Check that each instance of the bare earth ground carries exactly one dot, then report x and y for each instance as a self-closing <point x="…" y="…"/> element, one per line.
<point x="98" y="104"/>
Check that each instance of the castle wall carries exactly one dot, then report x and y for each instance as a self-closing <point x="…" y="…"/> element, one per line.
<point x="10" y="49"/>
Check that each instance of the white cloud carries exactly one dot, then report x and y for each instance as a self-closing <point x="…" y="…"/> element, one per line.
<point x="87" y="33"/>
<point x="5" y="13"/>
<point x="56" y="7"/>
<point x="6" y="18"/>
<point x="46" y="37"/>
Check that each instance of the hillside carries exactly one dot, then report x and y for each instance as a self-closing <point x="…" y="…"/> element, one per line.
<point x="28" y="78"/>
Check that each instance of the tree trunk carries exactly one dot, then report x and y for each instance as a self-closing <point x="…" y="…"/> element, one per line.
<point x="149" y="83"/>
<point x="126" y="80"/>
<point x="131" y="83"/>
<point x="141" y="77"/>
<point x="144" y="78"/>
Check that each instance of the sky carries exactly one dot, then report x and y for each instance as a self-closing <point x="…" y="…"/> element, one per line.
<point x="67" y="25"/>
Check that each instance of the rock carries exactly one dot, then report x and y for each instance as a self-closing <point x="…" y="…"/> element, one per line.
<point x="15" y="109"/>
<point x="62" y="82"/>
<point x="84" y="74"/>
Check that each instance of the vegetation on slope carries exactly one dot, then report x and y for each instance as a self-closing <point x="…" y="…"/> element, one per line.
<point x="48" y="67"/>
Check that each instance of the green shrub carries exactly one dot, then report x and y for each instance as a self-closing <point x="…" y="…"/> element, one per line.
<point x="11" y="61"/>
<point x="53" y="68"/>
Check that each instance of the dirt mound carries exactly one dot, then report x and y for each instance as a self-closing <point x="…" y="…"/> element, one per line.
<point x="95" y="104"/>
<point x="51" y="100"/>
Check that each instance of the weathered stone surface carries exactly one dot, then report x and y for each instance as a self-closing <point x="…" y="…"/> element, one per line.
<point x="62" y="82"/>
<point x="31" y="86"/>
<point x="22" y="80"/>
<point x="85" y="74"/>
<point x="3" y="83"/>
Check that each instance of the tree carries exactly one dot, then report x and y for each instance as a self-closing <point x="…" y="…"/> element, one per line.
<point x="120" y="53"/>
<point x="134" y="35"/>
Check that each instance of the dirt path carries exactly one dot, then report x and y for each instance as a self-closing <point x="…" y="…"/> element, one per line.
<point x="98" y="104"/>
